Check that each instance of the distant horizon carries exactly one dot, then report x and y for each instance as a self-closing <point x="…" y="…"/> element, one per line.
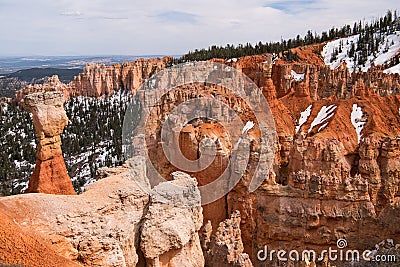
<point x="74" y="27"/>
<point x="11" y="64"/>
<point x="87" y="55"/>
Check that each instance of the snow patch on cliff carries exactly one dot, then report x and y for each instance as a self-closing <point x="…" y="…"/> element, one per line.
<point x="356" y="120"/>
<point x="304" y="117"/>
<point x="324" y="114"/>
<point x="330" y="47"/>
<point x="297" y="76"/>
<point x="249" y="125"/>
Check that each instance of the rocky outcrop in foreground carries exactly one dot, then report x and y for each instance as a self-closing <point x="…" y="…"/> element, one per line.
<point x="49" y="118"/>
<point x="17" y="246"/>
<point x="170" y="229"/>
<point x="115" y="223"/>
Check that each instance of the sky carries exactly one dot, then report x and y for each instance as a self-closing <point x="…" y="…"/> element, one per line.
<point x="162" y="27"/>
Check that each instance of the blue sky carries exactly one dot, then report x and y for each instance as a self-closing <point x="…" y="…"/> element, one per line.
<point x="126" y="27"/>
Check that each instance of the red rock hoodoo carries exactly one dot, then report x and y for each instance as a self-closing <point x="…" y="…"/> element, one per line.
<point x="49" y="118"/>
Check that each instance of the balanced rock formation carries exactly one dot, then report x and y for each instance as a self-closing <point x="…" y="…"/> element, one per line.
<point x="49" y="118"/>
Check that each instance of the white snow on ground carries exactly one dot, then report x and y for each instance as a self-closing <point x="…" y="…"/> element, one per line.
<point x="330" y="47"/>
<point x="303" y="117"/>
<point x="297" y="76"/>
<point x="232" y="60"/>
<point x="356" y="116"/>
<point x="394" y="69"/>
<point x="324" y="114"/>
<point x="248" y="126"/>
<point x="381" y="57"/>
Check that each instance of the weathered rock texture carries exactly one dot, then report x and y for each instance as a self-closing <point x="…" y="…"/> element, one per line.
<point x="191" y="137"/>
<point x="325" y="183"/>
<point x="169" y="235"/>
<point x="225" y="247"/>
<point x="19" y="247"/>
<point x="114" y="220"/>
<point x="319" y="81"/>
<point x="52" y="84"/>
<point x="49" y="118"/>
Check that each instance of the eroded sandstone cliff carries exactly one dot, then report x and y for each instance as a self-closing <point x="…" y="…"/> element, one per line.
<point x="98" y="79"/>
<point x="336" y="166"/>
<point x="336" y="171"/>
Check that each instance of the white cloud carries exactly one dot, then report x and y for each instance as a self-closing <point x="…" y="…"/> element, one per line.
<point x="76" y="27"/>
<point x="71" y="13"/>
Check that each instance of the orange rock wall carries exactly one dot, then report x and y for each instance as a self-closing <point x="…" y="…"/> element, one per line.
<point x="324" y="185"/>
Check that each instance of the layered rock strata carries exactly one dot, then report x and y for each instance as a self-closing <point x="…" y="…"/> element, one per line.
<point x="319" y="80"/>
<point x="336" y="167"/>
<point x="98" y="79"/>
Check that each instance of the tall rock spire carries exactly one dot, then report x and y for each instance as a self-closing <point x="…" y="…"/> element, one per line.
<point x="49" y="118"/>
